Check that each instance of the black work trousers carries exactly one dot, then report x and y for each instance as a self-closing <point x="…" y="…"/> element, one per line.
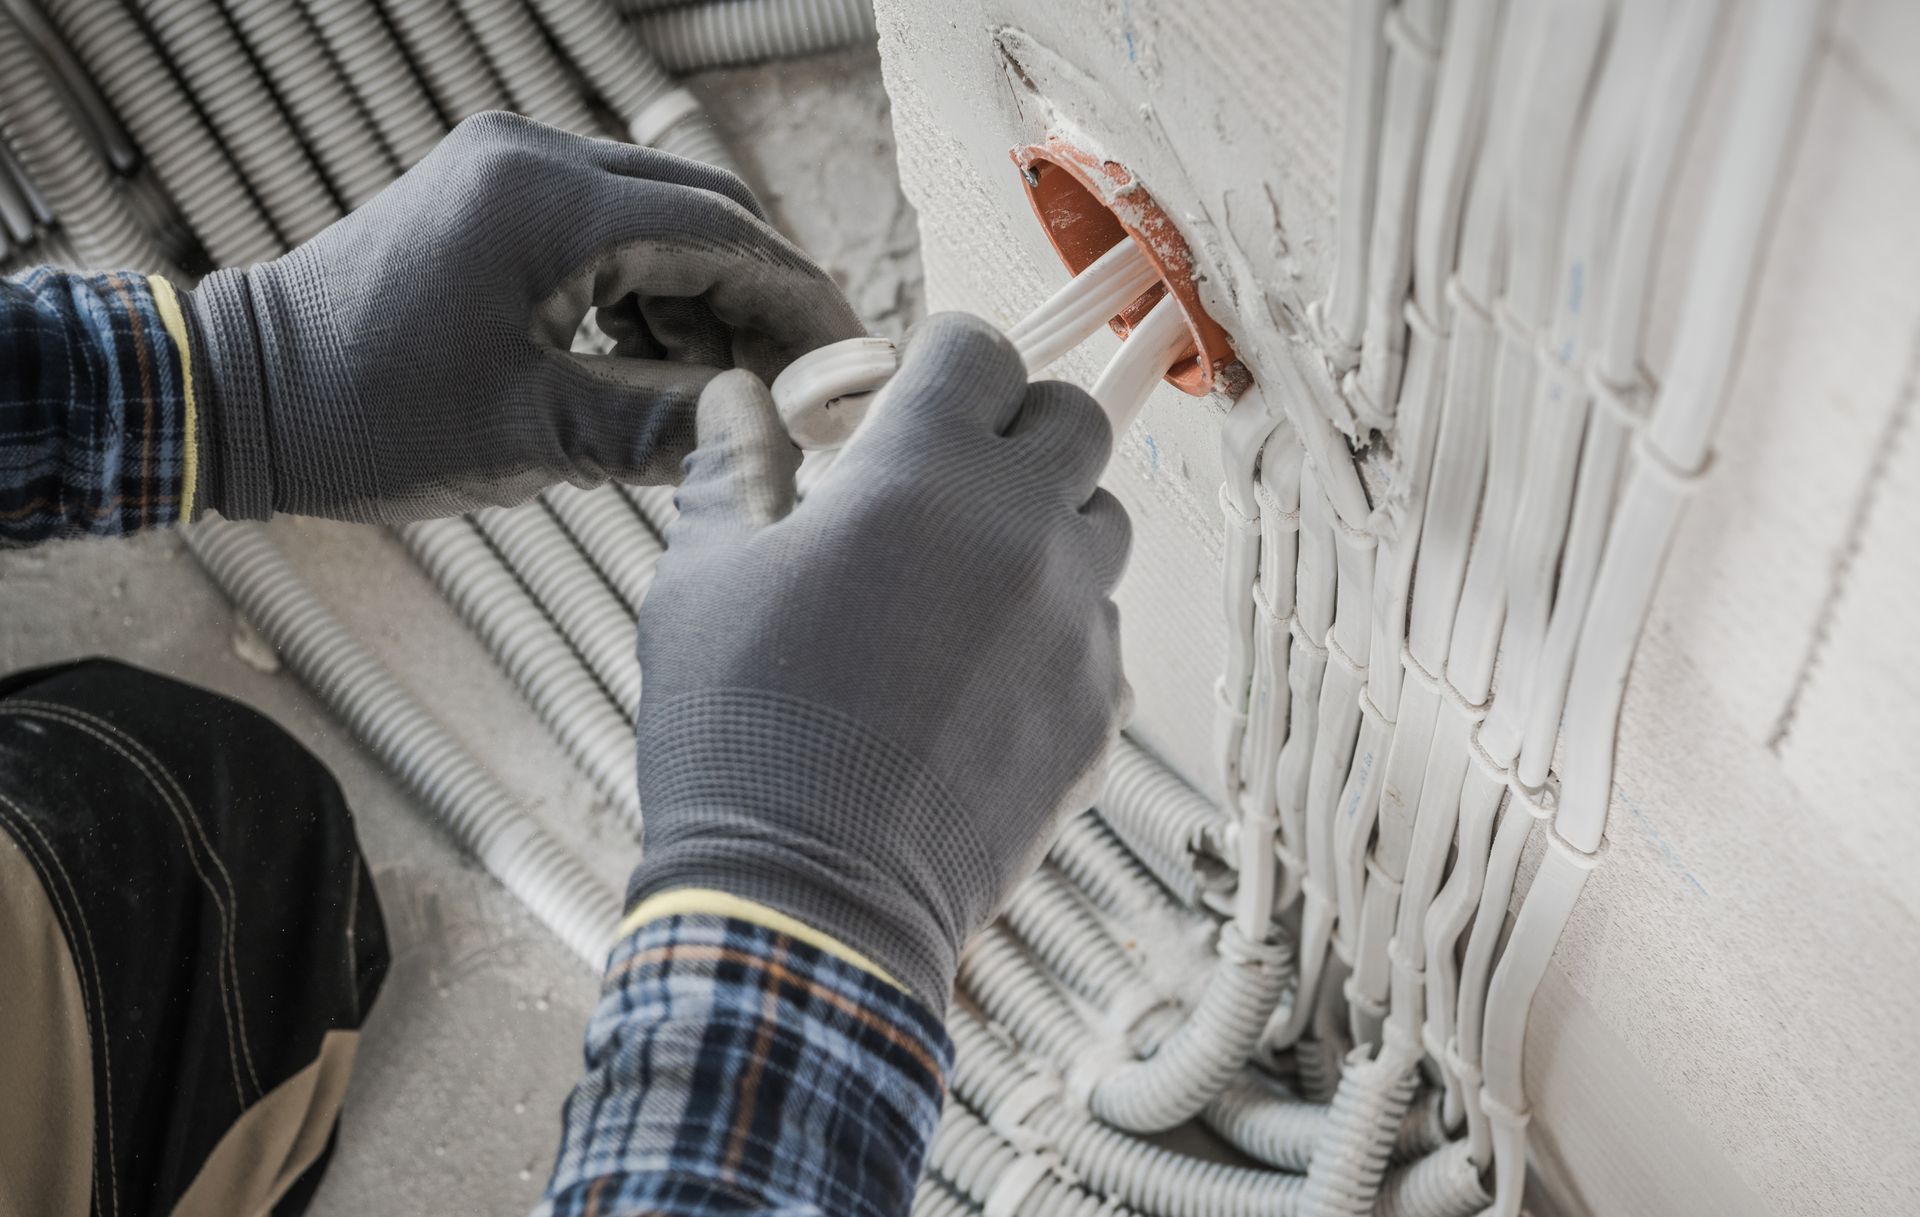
<point x="189" y="942"/>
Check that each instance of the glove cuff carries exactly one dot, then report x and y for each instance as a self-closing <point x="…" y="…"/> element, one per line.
<point x="236" y="467"/>
<point x="794" y="806"/>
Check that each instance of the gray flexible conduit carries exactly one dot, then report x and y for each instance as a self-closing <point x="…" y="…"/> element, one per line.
<point x="486" y="819"/>
<point x="748" y="31"/>
<point x="935" y="1197"/>
<point x="209" y="57"/>
<point x="534" y="76"/>
<point x="571" y="593"/>
<point x="176" y="143"/>
<point x="609" y="529"/>
<point x="448" y="58"/>
<point x="76" y="87"/>
<point x="315" y="94"/>
<point x="57" y="158"/>
<point x="358" y="40"/>
<point x="563" y="693"/>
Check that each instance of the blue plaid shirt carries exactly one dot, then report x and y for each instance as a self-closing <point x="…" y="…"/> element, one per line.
<point x="94" y="417"/>
<point x="731" y="1067"/>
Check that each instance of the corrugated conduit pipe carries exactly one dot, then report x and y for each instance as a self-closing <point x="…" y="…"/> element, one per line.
<point x="608" y="528"/>
<point x="1172" y="828"/>
<point x="621" y="67"/>
<point x="1361" y="1130"/>
<point x="1002" y="1177"/>
<point x="571" y="593"/>
<point x="359" y="41"/>
<point x="1029" y="1103"/>
<point x="315" y="94"/>
<point x="446" y="56"/>
<point x="410" y="742"/>
<point x="1056" y="922"/>
<point x="935" y="1197"/>
<point x="746" y="31"/>
<point x="541" y="664"/>
<point x="58" y="159"/>
<point x="520" y="56"/>
<point x="208" y="56"/>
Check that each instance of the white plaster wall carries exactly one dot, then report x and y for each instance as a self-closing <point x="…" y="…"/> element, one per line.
<point x="1728" y="1026"/>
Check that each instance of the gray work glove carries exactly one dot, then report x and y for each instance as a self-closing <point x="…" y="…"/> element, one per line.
<point x="412" y="360"/>
<point x="871" y="710"/>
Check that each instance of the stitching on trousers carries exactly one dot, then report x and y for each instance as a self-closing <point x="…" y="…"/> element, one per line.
<point x="189" y="826"/>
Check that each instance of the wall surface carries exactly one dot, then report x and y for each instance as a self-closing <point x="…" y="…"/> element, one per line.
<point x="1726" y="1026"/>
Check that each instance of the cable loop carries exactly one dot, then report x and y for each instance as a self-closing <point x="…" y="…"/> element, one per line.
<point x="1481" y="757"/>
<point x="1418" y="670"/>
<point x="1512" y="326"/>
<point x="1360" y="538"/>
<point x="1362" y="404"/>
<point x="1338" y="653"/>
<point x="1371" y="709"/>
<point x="1272" y="513"/>
<point x="1500" y="1113"/>
<point x="1464" y="301"/>
<point x="1422" y="325"/>
<point x="1300" y="636"/>
<point x="1540" y="804"/>
<point x="1232" y="516"/>
<point x="1679" y="480"/>
<point x="1474" y="711"/>
<point x="1263" y="607"/>
<point x="1620" y="400"/>
<point x="1584" y="859"/>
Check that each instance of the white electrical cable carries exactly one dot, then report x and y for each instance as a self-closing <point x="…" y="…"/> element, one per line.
<point x="1764" y="114"/>
<point x="1540" y="517"/>
<point x="1414" y="31"/>
<point x="1084" y="305"/>
<point x="1341" y="318"/>
<point x="1141" y="363"/>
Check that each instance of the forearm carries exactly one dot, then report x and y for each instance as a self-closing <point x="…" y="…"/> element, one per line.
<point x="97" y="418"/>
<point x="736" y="1068"/>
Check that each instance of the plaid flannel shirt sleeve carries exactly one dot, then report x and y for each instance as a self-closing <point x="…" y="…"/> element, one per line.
<point x="734" y="1069"/>
<point x="95" y="406"/>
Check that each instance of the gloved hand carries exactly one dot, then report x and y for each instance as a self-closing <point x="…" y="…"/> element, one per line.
<point x="870" y="711"/>
<point x="412" y="360"/>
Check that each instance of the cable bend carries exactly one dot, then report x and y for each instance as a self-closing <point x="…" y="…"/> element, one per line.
<point x="1203" y="1055"/>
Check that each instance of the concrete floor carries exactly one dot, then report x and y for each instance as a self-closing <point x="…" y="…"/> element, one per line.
<point x="475" y="1040"/>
